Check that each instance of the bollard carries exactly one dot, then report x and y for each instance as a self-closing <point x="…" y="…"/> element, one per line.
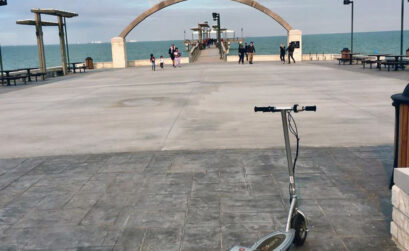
<point x="401" y="151"/>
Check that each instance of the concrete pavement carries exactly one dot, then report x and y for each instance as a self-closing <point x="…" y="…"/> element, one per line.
<point x="177" y="159"/>
<point x="196" y="107"/>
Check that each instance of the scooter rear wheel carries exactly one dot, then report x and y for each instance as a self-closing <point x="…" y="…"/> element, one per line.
<point x="299" y="224"/>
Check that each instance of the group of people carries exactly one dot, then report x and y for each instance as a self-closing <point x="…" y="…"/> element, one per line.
<point x="290" y="49"/>
<point x="248" y="51"/>
<point x="174" y="54"/>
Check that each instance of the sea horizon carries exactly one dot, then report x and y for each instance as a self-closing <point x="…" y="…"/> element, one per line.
<point x="23" y="56"/>
<point x="170" y="40"/>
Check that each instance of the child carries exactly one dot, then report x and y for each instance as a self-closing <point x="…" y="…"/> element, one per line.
<point x="177" y="57"/>
<point x="162" y="61"/>
<point x="153" y="63"/>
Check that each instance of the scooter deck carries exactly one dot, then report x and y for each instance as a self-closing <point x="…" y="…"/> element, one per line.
<point x="277" y="241"/>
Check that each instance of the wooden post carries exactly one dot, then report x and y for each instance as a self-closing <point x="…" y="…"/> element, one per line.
<point x="62" y="45"/>
<point x="40" y="43"/>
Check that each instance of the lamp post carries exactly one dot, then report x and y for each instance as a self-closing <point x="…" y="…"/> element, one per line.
<point x="2" y="3"/>
<point x="216" y="17"/>
<point x="347" y="2"/>
<point x="402" y="26"/>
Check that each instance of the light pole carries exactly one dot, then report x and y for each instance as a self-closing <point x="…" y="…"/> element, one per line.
<point x="216" y="17"/>
<point x="2" y="3"/>
<point x="347" y="2"/>
<point x="401" y="27"/>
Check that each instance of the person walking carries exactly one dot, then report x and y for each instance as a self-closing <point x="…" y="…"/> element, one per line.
<point x="242" y="51"/>
<point x="290" y="50"/>
<point x="172" y="50"/>
<point x="251" y="50"/>
<point x="153" y="62"/>
<point x="282" y="53"/>
<point x="246" y="47"/>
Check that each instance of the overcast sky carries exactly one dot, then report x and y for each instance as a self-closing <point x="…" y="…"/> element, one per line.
<point x="100" y="20"/>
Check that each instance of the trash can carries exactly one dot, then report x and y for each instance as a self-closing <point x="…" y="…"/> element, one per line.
<point x="346" y="53"/>
<point x="89" y="63"/>
<point x="401" y="104"/>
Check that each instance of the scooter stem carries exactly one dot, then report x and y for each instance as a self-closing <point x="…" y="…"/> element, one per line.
<point x="293" y="193"/>
<point x="288" y="147"/>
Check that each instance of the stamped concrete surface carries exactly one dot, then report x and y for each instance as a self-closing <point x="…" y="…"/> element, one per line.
<point x="193" y="200"/>
<point x="139" y="160"/>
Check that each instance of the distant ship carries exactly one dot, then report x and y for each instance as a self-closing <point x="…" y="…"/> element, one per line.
<point x="132" y="41"/>
<point x="96" y="42"/>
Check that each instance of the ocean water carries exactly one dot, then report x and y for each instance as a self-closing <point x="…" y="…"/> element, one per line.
<point x="15" y="57"/>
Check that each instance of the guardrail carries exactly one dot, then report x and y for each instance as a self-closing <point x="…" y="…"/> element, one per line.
<point x="194" y="53"/>
<point x="225" y="52"/>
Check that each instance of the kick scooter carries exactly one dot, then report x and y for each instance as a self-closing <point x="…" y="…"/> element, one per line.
<point x="297" y="223"/>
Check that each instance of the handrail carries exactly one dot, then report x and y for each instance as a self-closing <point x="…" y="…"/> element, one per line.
<point x="194" y="53"/>
<point x="224" y="52"/>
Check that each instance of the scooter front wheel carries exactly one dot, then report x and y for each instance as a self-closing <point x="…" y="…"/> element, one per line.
<point x="300" y="225"/>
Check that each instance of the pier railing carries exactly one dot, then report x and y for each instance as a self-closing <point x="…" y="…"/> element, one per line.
<point x="194" y="53"/>
<point x="225" y="52"/>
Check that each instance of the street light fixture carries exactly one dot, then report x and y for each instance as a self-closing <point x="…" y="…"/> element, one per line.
<point x="347" y="2"/>
<point x="3" y="2"/>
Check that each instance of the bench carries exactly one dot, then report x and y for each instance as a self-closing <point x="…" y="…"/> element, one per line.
<point x="14" y="78"/>
<point x="38" y="74"/>
<point x="83" y="67"/>
<point x="343" y="60"/>
<point x="396" y="64"/>
<point x="370" y="62"/>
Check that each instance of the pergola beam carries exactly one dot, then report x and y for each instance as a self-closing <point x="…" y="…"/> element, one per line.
<point x="33" y="22"/>
<point x="54" y="12"/>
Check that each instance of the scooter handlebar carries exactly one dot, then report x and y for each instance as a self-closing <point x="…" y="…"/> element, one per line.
<point x="295" y="108"/>
<point x="265" y="109"/>
<point x="310" y="108"/>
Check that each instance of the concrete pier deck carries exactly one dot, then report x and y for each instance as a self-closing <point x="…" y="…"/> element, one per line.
<point x="176" y="159"/>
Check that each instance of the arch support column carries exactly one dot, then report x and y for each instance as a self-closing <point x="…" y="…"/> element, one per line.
<point x="119" y="56"/>
<point x="296" y="36"/>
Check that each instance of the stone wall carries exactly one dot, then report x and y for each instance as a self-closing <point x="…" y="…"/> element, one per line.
<point x="400" y="213"/>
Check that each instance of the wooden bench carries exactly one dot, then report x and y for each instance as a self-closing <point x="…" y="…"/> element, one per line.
<point x="38" y="74"/>
<point x="343" y="60"/>
<point x="395" y="64"/>
<point x="370" y="62"/>
<point x="82" y="67"/>
<point x="14" y="78"/>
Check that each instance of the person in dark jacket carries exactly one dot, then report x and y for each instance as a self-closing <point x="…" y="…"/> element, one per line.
<point x="172" y="50"/>
<point x="242" y="51"/>
<point x="282" y="53"/>
<point x="251" y="50"/>
<point x="290" y="50"/>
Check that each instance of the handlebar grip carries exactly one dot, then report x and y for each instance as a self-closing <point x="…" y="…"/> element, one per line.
<point x="310" y="108"/>
<point x="264" y="109"/>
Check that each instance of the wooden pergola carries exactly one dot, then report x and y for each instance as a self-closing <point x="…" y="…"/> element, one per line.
<point x="62" y="27"/>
